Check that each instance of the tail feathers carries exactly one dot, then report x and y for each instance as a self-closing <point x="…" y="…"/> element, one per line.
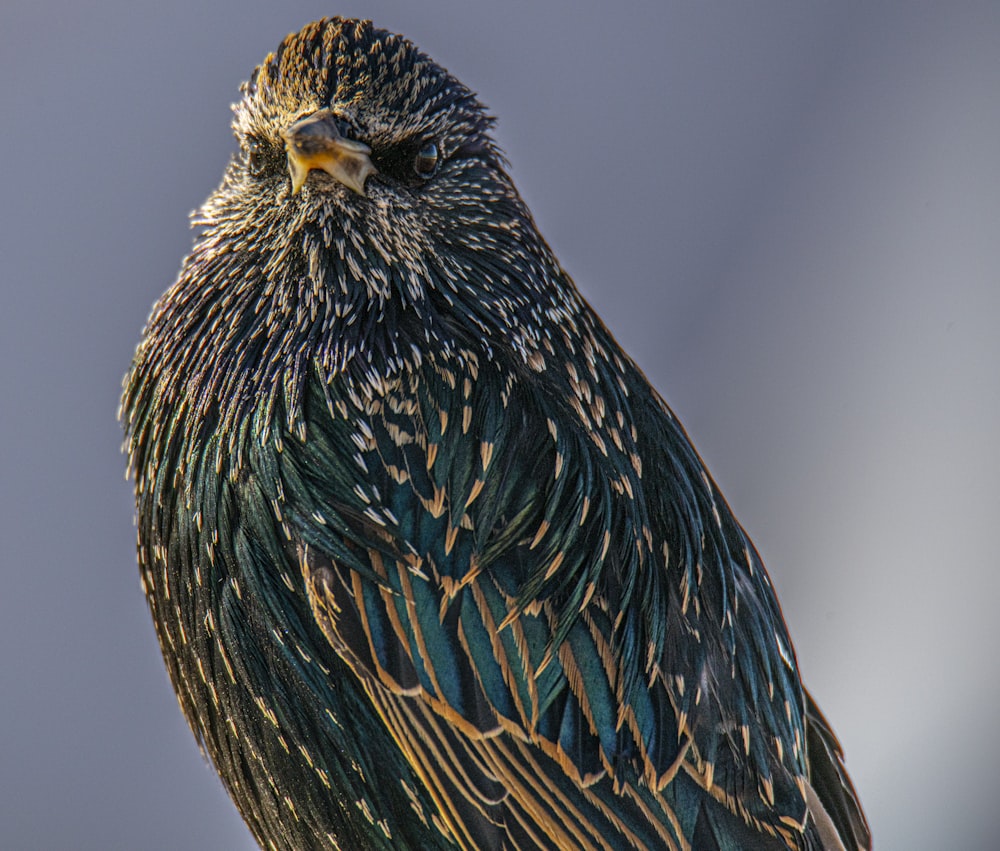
<point x="827" y="838"/>
<point x="833" y="803"/>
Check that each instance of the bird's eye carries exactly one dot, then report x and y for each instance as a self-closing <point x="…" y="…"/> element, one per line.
<point x="260" y="156"/>
<point x="409" y="162"/>
<point x="425" y="161"/>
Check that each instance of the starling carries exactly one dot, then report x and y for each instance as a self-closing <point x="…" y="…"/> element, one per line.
<point x="431" y="563"/>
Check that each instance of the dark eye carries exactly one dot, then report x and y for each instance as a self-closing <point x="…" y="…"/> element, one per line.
<point x="425" y="161"/>
<point x="261" y="157"/>
<point x="410" y="162"/>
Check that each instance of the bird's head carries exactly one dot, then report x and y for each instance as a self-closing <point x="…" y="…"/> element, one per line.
<point x="349" y="102"/>
<point x="367" y="186"/>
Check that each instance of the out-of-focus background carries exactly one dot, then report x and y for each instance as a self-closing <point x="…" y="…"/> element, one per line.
<point x="788" y="213"/>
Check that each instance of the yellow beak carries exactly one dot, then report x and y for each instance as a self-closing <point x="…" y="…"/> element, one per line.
<point x="315" y="142"/>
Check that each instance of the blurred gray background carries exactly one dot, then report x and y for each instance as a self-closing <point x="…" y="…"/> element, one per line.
<point x="788" y="213"/>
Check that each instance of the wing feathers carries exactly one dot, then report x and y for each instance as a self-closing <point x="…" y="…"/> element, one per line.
<point x="545" y="655"/>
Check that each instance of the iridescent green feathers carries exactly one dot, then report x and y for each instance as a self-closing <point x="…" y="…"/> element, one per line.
<point x="497" y="572"/>
<point x="431" y="563"/>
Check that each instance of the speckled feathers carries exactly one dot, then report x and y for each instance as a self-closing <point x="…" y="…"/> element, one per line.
<point x="431" y="563"/>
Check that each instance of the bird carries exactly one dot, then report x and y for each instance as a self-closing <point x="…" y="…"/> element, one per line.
<point x="431" y="563"/>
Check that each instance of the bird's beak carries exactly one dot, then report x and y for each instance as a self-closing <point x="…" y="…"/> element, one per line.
<point x="315" y="142"/>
